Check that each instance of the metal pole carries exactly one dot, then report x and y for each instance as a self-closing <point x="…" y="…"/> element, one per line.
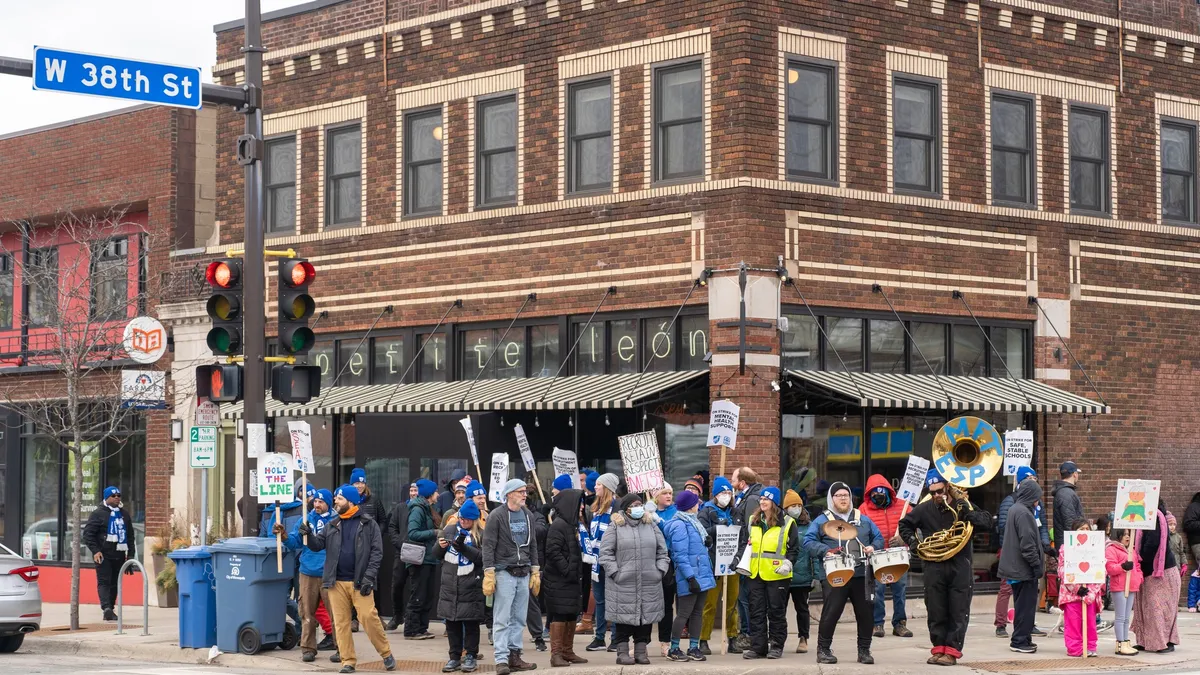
<point x="254" y="327"/>
<point x="203" y="507"/>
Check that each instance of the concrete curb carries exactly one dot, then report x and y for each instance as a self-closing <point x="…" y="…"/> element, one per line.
<point x="114" y="646"/>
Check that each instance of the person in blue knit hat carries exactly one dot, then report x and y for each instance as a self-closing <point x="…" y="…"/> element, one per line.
<point x="561" y="483"/>
<point x="370" y="505"/>
<point x="312" y="568"/>
<point x="108" y="534"/>
<point x="719" y="511"/>
<point x="422" y="529"/>
<point x="461" y="602"/>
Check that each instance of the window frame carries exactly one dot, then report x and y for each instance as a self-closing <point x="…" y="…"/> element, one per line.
<point x="121" y="244"/>
<point x="1105" y="163"/>
<point x="8" y="276"/>
<point x="831" y="132"/>
<point x="1191" y="127"/>
<point x="269" y="188"/>
<point x="933" y="139"/>
<point x="27" y="290"/>
<point x="409" y="165"/>
<point x="1030" y="152"/>
<point x="659" y="138"/>
<point x="481" y="156"/>
<point x="331" y="178"/>
<point x="573" y="139"/>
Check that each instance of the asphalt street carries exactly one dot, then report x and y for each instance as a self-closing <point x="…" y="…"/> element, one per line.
<point x="49" y="664"/>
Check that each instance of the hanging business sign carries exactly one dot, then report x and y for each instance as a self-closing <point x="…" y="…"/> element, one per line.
<point x="144" y="340"/>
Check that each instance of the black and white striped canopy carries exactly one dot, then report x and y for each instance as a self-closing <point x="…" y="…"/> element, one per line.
<point x="534" y="393"/>
<point x="947" y="392"/>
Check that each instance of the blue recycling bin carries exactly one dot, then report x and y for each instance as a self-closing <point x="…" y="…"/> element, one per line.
<point x="197" y="597"/>
<point x="252" y="595"/>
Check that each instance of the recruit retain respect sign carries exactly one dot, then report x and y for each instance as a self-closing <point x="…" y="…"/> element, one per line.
<point x="642" y="464"/>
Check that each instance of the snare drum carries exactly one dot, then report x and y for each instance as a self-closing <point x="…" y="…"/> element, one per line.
<point x="890" y="564"/>
<point x="839" y="568"/>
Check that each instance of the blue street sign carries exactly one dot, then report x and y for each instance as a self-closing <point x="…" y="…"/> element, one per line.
<point x="141" y="81"/>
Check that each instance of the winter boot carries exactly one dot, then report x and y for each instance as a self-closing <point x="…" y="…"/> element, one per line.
<point x="640" y="656"/>
<point x="516" y="663"/>
<point x="585" y="627"/>
<point x="568" y="644"/>
<point x="901" y="630"/>
<point x="623" y="657"/>
<point x="557" y="660"/>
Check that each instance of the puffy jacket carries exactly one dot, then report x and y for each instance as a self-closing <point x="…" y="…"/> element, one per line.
<point x="291" y="513"/>
<point x="1068" y="593"/>
<point x="422" y="528"/>
<point x="1114" y="555"/>
<point x="817" y="544"/>
<point x="690" y="555"/>
<point x="1021" y="550"/>
<point x="460" y="596"/>
<point x="712" y="515"/>
<point x="562" y="568"/>
<point x="312" y="563"/>
<point x="368" y="550"/>
<point x="1191" y="521"/>
<point x="397" y="526"/>
<point x="633" y="555"/>
<point x="1068" y="509"/>
<point x="887" y="519"/>
<point x="370" y="506"/>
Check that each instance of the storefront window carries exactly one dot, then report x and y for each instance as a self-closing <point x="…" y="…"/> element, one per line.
<point x="388" y="479"/>
<point x="801" y="343"/>
<point x="321" y="356"/>
<point x="623" y="347"/>
<point x="589" y="354"/>
<point x="693" y="342"/>
<point x="686" y="452"/>
<point x="352" y="362"/>
<point x="125" y="467"/>
<point x="433" y="358"/>
<point x="1010" y="343"/>
<point x="390" y="359"/>
<point x="42" y="498"/>
<point x="929" y="341"/>
<point x="970" y="351"/>
<point x="510" y="358"/>
<point x="543" y="351"/>
<point x="887" y="346"/>
<point x="845" y="339"/>
<point x="660" y="345"/>
<point x="477" y="348"/>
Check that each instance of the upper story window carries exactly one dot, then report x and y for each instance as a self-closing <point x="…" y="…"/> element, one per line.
<point x="628" y="345"/>
<point x="589" y="136"/>
<point x="110" y="280"/>
<point x="280" y="172"/>
<point x="343" y="170"/>
<point x="915" y="124"/>
<point x="1089" y="159"/>
<point x="679" y="122"/>
<point x="40" y="286"/>
<point x="423" y="162"/>
<point x="1178" y="142"/>
<point x="496" y="148"/>
<point x="1012" y="150"/>
<point x="811" y="110"/>
<point x="6" y="291"/>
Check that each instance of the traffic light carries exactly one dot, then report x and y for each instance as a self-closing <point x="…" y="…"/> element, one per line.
<point x="295" y="384"/>
<point x="220" y="383"/>
<point x="225" y="306"/>
<point x="296" y="306"/>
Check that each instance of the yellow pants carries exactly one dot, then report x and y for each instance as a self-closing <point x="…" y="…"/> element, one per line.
<point x="710" y="608"/>
<point x="343" y="598"/>
<point x="311" y="594"/>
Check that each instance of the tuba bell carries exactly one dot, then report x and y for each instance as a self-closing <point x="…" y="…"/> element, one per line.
<point x="968" y="452"/>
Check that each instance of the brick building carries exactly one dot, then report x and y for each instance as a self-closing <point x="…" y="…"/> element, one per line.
<point x="424" y="152"/>
<point x="142" y="178"/>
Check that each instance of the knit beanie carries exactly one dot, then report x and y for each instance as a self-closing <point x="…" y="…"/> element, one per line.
<point x="475" y="489"/>
<point x="721" y="484"/>
<point x="693" y="483"/>
<point x="358" y="476"/>
<point x="790" y="498"/>
<point x="592" y="477"/>
<point x="686" y="500"/>
<point x="301" y="492"/>
<point x="512" y="485"/>
<point x="771" y="493"/>
<point x="610" y="481"/>
<point x="563" y="482"/>
<point x="426" y="488"/>
<point x="468" y="511"/>
<point x="325" y="496"/>
<point x="350" y="494"/>
<point x="629" y="500"/>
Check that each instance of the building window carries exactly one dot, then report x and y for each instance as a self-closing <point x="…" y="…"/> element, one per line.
<point x="543" y="341"/>
<point x="496" y="149"/>
<point x="433" y="358"/>
<point x="41" y="286"/>
<point x="110" y="280"/>
<point x="423" y="162"/>
<point x="589" y="136"/>
<point x="322" y="355"/>
<point x="352" y="362"/>
<point x="915" y="136"/>
<point x="623" y="346"/>
<point x="1089" y="159"/>
<point x="390" y="359"/>
<point x="970" y="351"/>
<point x="928" y="348"/>
<point x="679" y="122"/>
<point x="810" y="120"/>
<point x="693" y="342"/>
<point x="1178" y="172"/>
<point x="845" y="340"/>
<point x="6" y="291"/>
<point x="887" y="346"/>
<point x="1012" y="150"/>
<point x="589" y="354"/>
<point x="802" y="343"/>
<point x="280" y="172"/>
<point x="343" y="168"/>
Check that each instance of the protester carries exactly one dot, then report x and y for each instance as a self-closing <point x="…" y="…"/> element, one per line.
<point x="585" y="626"/>
<point x="448" y="498"/>
<point x="1068" y="509"/>
<point x="561" y="483"/>
<point x="460" y="596"/>
<point x="423" y="530"/>
<point x="562" y="574"/>
<point x="1156" y="610"/>
<point x="1021" y="563"/>
<point x="1005" y="594"/>
<point x="1120" y="567"/>
<point x="511" y="572"/>
<point x="819" y="546"/>
<point x="354" y="548"/>
<point x="662" y="508"/>
<point x="397" y="534"/>
<point x="881" y="506"/>
<point x="460" y="497"/>
<point x="804" y="572"/>
<point x="533" y="616"/>
<point x="634" y="558"/>
<point x="1175" y="539"/>
<point x="312" y="569"/>
<point x="108" y="534"/>
<point x="370" y="505"/>
<point x="1076" y="600"/>
<point x="702" y="478"/>
<point x="745" y="502"/>
<point x="602" y="510"/>
<point x="719" y="511"/>
<point x="775" y="545"/>
<point x="687" y="544"/>
<point x="694" y="486"/>
<point x="1191" y="526"/>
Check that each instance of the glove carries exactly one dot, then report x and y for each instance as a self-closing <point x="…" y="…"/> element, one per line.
<point x="535" y="582"/>
<point x="693" y="585"/>
<point x="366" y="588"/>
<point x="278" y="529"/>
<point x="489" y="582"/>
<point x="785" y="567"/>
<point x="461" y="542"/>
<point x="305" y="528"/>
<point x="1127" y="565"/>
<point x="129" y="571"/>
<point x="1082" y="592"/>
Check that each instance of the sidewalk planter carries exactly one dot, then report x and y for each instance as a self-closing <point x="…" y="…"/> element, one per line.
<point x="252" y="595"/>
<point x="198" y="597"/>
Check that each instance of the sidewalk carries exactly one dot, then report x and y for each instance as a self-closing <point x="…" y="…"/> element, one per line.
<point x="983" y="653"/>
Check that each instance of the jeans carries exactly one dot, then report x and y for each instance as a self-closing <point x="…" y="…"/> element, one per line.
<point x="898" y="590"/>
<point x="509" y="609"/>
<point x="601" y="625"/>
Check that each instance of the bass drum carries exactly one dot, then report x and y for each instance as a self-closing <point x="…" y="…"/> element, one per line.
<point x="839" y="569"/>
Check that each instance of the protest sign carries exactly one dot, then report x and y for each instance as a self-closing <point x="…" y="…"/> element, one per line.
<point x="643" y="466"/>
<point x="1083" y="557"/>
<point x="1018" y="450"/>
<point x="275" y="478"/>
<point x="727" y="542"/>
<point x="499" y="476"/>
<point x="914" y="479"/>
<point x="565" y="462"/>
<point x="466" y="423"/>
<point x="302" y="454"/>
<point x="1137" y="504"/>
<point x="723" y="424"/>
<point x="523" y="446"/>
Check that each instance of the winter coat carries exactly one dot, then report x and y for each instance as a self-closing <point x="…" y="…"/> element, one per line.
<point x="748" y="504"/>
<point x="422" y="529"/>
<point x="634" y="557"/>
<point x="817" y="543"/>
<point x="931" y="516"/>
<point x="397" y="526"/>
<point x="95" y="533"/>
<point x="805" y="568"/>
<point x="460" y="596"/>
<point x="312" y="563"/>
<point x="370" y="506"/>
<point x="562" y="568"/>
<point x="710" y="516"/>
<point x="1191" y="521"/>
<point x="690" y="555"/>
<point x="1038" y="515"/>
<point x="1068" y="593"/>
<point x="368" y="550"/>
<point x="500" y="551"/>
<point x="887" y="519"/>
<point x="1068" y="510"/>
<point x="291" y="513"/>
<point x="1175" y="541"/>
<point x="1114" y="555"/>
<point x="1021" y="550"/>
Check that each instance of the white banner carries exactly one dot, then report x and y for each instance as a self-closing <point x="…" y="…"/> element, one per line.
<point x="727" y="541"/>
<point x="1137" y="504"/>
<point x="1083" y="558"/>
<point x="302" y="454"/>
<point x="914" y="479"/>
<point x="723" y="424"/>
<point x="275" y="482"/>
<point x="1018" y="450"/>
<point x="565" y="462"/>
<point x="523" y="446"/>
<point x="499" y="476"/>
<point x="466" y="423"/>
<point x="641" y="462"/>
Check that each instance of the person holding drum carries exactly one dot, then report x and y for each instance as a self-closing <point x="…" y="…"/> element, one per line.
<point x="843" y="536"/>
<point x="881" y="506"/>
<point x="774" y="545"/>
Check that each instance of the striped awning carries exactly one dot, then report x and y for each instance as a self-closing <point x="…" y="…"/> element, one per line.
<point x="532" y="393"/>
<point x="947" y="392"/>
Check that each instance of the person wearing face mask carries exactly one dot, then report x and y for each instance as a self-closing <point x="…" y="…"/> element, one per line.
<point x="804" y="573"/>
<point x="820" y="546"/>
<point x="719" y="511"/>
<point x="882" y="507"/>
<point x="633" y="556"/>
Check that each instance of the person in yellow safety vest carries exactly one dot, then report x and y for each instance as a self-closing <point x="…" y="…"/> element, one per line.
<point x="774" y="543"/>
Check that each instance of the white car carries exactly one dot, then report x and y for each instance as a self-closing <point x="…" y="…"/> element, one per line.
<point x="20" y="600"/>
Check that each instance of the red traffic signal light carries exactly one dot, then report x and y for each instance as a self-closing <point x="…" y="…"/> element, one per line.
<point x="221" y="383"/>
<point x="224" y="273"/>
<point x="224" y="306"/>
<point x="296" y="306"/>
<point x="296" y="272"/>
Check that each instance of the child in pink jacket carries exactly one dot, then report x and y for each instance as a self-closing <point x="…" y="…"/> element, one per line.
<point x="1075" y="599"/>
<point x="1118" y="564"/>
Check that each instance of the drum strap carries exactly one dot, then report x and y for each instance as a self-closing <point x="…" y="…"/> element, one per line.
<point x="855" y="516"/>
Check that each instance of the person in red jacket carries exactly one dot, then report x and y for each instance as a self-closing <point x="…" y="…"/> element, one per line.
<point x="884" y="509"/>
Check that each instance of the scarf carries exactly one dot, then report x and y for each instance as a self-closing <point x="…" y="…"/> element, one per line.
<point x="350" y="512"/>
<point x="116" y="528"/>
<point x="453" y="555"/>
<point x="691" y="518"/>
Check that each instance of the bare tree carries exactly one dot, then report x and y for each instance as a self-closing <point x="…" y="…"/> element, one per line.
<point x="82" y="276"/>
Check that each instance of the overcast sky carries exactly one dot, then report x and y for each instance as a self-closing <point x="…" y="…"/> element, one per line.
<point x="168" y="31"/>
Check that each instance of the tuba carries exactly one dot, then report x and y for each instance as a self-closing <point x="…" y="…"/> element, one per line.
<point x="968" y="452"/>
